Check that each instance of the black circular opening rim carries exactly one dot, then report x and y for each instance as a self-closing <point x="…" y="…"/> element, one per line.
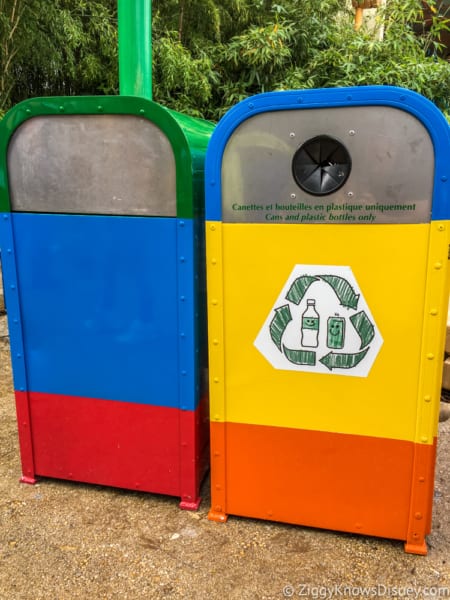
<point x="309" y="168"/>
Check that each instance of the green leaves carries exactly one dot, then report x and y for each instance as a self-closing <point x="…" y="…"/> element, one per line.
<point x="210" y="54"/>
<point x="61" y="47"/>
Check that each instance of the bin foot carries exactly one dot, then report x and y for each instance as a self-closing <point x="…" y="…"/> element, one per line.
<point x="414" y="548"/>
<point x="29" y="480"/>
<point x="190" y="505"/>
<point x="219" y="517"/>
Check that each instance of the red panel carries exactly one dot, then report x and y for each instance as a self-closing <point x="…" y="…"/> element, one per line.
<point x="120" y="444"/>
<point x="334" y="481"/>
<point x="194" y="453"/>
<point x="25" y="440"/>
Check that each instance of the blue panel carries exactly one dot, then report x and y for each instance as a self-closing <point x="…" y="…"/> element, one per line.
<point x="188" y="376"/>
<point x="11" y="291"/>
<point x="403" y="99"/>
<point x="99" y="306"/>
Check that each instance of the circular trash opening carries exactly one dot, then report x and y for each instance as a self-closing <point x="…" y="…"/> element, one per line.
<point x="321" y="165"/>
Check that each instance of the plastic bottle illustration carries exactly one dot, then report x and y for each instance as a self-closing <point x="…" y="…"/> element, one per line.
<point x="310" y="325"/>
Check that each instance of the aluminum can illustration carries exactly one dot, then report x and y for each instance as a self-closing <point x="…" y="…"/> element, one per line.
<point x="335" y="332"/>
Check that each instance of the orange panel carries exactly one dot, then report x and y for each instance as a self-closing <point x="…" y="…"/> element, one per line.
<point x="335" y="481"/>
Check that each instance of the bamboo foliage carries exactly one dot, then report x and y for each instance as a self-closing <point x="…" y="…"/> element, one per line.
<point x="209" y="54"/>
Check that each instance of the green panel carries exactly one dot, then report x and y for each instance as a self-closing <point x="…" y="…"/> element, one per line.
<point x="188" y="137"/>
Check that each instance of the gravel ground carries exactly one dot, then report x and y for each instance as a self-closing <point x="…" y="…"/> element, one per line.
<point x="64" y="541"/>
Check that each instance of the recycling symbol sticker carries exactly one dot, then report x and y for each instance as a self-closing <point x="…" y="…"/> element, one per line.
<point x="321" y="323"/>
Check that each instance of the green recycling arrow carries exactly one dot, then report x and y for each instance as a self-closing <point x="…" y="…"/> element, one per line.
<point x="334" y="360"/>
<point x="299" y="288"/>
<point x="279" y="323"/>
<point x="343" y="290"/>
<point x="300" y="357"/>
<point x="364" y="327"/>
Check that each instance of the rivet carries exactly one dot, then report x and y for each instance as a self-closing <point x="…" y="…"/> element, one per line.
<point x="358" y="526"/>
<point x="184" y="373"/>
<point x="28" y="111"/>
<point x="18" y="355"/>
<point x="184" y="408"/>
<point x="182" y="259"/>
<point x="218" y="508"/>
<point x="433" y="312"/>
<point x="441" y="227"/>
<point x="214" y="302"/>
<point x="349" y="97"/>
<point x="213" y="227"/>
<point x="182" y="334"/>
<point x="215" y="342"/>
<point x="350" y="194"/>
<point x="142" y="111"/>
<point x="292" y="134"/>
<point x="300" y="100"/>
<point x="214" y="261"/>
<point x="424" y="439"/>
<point x="5" y="217"/>
<point x="438" y="266"/>
<point x="402" y="98"/>
<point x="418" y="516"/>
<point x="427" y="398"/>
<point x="9" y="251"/>
<point x="351" y="132"/>
<point x="100" y="108"/>
<point x="15" y="321"/>
<point x="212" y="183"/>
<point x="421" y="479"/>
<point x="251" y="105"/>
<point x="218" y="488"/>
<point x="181" y="223"/>
<point x="430" y="356"/>
<point x="216" y="380"/>
<point x="216" y="417"/>
<point x="216" y="454"/>
<point x="293" y="196"/>
<point x="61" y="109"/>
<point x="270" y="513"/>
<point x="22" y="389"/>
<point x="182" y="298"/>
<point x="444" y="178"/>
<point x="13" y="287"/>
<point x="415" y="535"/>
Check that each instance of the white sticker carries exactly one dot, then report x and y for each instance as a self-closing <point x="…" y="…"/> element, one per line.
<point x="320" y="323"/>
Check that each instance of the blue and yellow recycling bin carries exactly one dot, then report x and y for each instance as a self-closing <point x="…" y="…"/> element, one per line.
<point x="327" y="246"/>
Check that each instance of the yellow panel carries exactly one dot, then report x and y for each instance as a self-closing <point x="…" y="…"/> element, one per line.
<point x="390" y="264"/>
<point x="434" y="329"/>
<point x="215" y="320"/>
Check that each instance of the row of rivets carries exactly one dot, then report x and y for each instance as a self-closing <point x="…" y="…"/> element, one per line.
<point x="100" y="108"/>
<point x="433" y="312"/>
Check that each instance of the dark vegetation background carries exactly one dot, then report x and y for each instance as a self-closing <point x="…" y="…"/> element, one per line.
<point x="209" y="54"/>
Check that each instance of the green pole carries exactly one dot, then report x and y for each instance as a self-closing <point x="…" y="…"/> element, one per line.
<point x="135" y="48"/>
